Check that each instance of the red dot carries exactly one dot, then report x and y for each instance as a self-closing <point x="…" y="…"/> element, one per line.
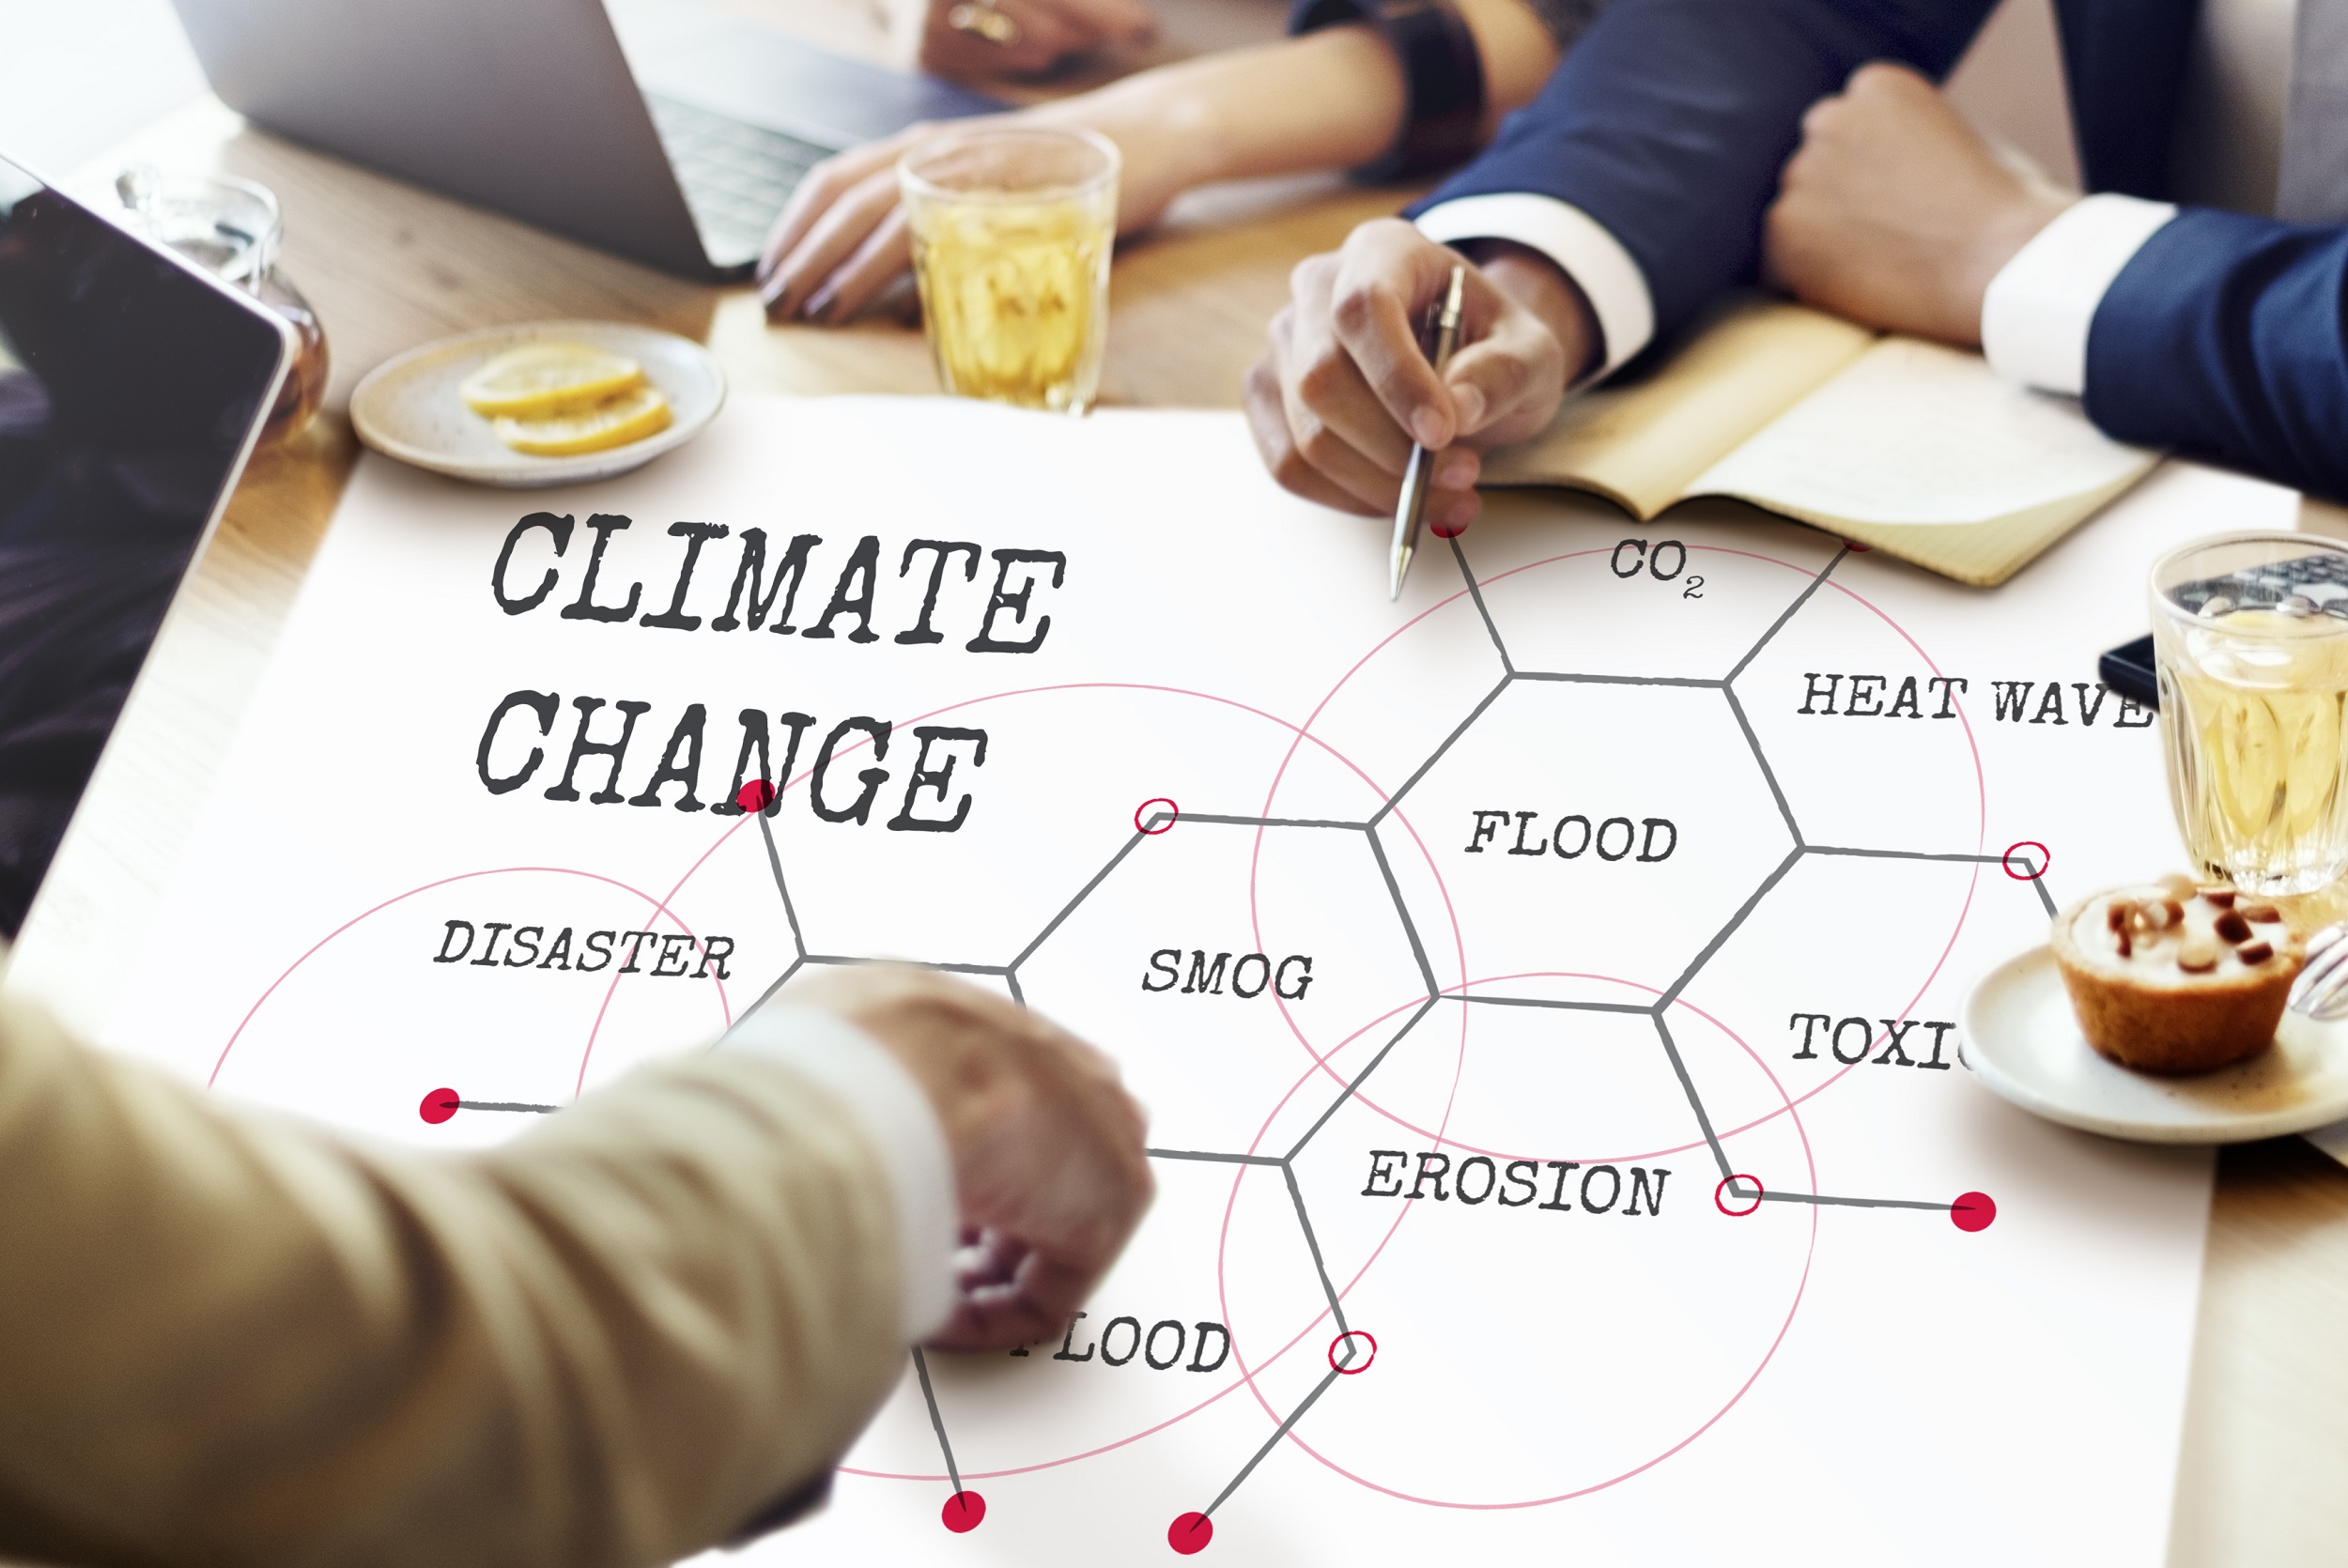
<point x="438" y="1106"/>
<point x="1856" y="547"/>
<point x="1190" y="1532"/>
<point x="1355" y="1358"/>
<point x="1444" y="531"/>
<point x="755" y="797"/>
<point x="1153" y="821"/>
<point x="2031" y="870"/>
<point x="1974" y="1211"/>
<point x="962" y="1512"/>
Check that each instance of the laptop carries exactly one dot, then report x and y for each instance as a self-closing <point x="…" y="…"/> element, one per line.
<point x="132" y="387"/>
<point x="679" y="151"/>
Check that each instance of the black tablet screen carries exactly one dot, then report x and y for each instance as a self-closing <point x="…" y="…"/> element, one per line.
<point x="127" y="388"/>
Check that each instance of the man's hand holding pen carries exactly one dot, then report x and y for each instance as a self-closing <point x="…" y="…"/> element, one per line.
<point x="1345" y="389"/>
<point x="1410" y="511"/>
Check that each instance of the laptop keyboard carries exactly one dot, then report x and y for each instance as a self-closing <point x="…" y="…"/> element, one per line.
<point x="735" y="176"/>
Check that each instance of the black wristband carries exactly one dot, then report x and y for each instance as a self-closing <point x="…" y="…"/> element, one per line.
<point x="1441" y="72"/>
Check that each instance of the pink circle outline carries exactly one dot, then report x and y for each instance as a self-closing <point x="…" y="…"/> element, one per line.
<point x="1793" y="1307"/>
<point x="1980" y="784"/>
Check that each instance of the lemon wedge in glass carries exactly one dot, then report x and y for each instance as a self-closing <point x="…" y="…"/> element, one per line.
<point x="631" y="416"/>
<point x="542" y="379"/>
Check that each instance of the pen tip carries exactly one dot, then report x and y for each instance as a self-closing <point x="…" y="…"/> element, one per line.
<point x="1400" y="568"/>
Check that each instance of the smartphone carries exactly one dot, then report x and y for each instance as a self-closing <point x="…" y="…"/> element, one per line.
<point x="2317" y="583"/>
<point x="2128" y="670"/>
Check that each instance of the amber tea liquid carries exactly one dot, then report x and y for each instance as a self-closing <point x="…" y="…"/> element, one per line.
<point x="1017" y="301"/>
<point x="1011" y="235"/>
<point x="2251" y="704"/>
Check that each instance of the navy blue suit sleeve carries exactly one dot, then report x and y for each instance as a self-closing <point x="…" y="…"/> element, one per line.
<point x="2226" y="336"/>
<point x="1669" y="121"/>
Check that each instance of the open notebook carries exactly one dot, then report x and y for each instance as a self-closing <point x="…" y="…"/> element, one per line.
<point x="1907" y="446"/>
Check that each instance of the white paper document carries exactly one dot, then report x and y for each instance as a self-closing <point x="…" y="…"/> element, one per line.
<point x="1458" y="948"/>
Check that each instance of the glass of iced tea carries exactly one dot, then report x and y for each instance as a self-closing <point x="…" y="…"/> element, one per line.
<point x="1011" y="234"/>
<point x="2250" y="632"/>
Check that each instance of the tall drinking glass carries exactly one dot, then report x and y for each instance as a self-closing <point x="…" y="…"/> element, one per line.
<point x="232" y="228"/>
<point x="2250" y="632"/>
<point x="1011" y="235"/>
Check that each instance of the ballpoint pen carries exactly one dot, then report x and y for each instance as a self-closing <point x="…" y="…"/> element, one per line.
<point x="1412" y="506"/>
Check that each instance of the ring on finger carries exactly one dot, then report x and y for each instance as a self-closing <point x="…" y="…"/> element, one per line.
<point x="982" y="18"/>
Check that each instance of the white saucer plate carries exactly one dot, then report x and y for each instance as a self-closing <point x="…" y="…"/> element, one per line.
<point x="408" y="408"/>
<point x="2022" y="1039"/>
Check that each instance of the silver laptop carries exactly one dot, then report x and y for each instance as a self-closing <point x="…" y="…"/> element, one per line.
<point x="131" y="389"/>
<point x="679" y="151"/>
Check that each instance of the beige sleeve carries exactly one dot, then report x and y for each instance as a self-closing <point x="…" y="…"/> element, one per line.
<point x="229" y="1338"/>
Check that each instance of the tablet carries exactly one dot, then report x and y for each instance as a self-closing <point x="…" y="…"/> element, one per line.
<point x="132" y="387"/>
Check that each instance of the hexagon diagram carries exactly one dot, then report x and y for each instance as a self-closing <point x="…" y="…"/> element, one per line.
<point x="1319" y="1096"/>
<point x="1408" y="1113"/>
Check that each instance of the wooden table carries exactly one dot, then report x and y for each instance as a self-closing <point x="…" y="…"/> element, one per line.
<point x="389" y="267"/>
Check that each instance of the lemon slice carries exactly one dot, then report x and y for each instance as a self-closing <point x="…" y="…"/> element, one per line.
<point x="542" y="379"/>
<point x="634" y="414"/>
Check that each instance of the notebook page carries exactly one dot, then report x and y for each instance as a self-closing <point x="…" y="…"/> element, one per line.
<point x="1915" y="433"/>
<point x="1641" y="440"/>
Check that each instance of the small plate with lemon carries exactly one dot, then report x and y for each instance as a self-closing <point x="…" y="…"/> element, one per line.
<point x="540" y="403"/>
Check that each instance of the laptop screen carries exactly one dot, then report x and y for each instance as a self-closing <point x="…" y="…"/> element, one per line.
<point x="130" y="391"/>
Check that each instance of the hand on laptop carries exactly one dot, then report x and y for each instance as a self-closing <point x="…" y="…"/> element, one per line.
<point x="1330" y="99"/>
<point x="1895" y="213"/>
<point x="1345" y="387"/>
<point x="841" y="239"/>
<point x="980" y="38"/>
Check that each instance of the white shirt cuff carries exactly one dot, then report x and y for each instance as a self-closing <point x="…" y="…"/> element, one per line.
<point x="2035" y="316"/>
<point x="848" y="1064"/>
<point x="1591" y="256"/>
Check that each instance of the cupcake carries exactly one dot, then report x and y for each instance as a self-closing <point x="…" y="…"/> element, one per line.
<point x="2176" y="977"/>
